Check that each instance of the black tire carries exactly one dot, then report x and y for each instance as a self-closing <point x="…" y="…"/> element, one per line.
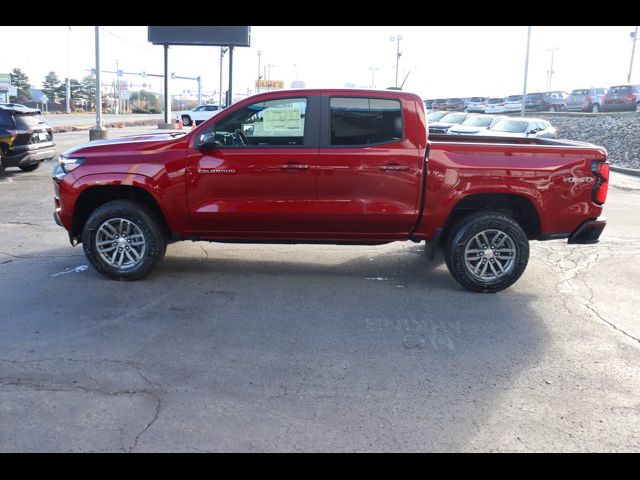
<point x="552" y="108"/>
<point x="1" y="161"/>
<point x="144" y="219"/>
<point x="595" y="108"/>
<point x="186" y="120"/>
<point x="463" y="234"/>
<point x="30" y="168"/>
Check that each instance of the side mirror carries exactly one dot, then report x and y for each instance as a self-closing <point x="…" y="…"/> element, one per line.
<point x="532" y="131"/>
<point x="247" y="130"/>
<point x="206" y="141"/>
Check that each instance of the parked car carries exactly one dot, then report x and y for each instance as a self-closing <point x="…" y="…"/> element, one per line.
<point x="454" y="104"/>
<point x="513" y="103"/>
<point x="495" y="105"/>
<point x="586" y="100"/>
<point x="521" y="127"/>
<point x="545" y="101"/>
<point x="26" y="139"/>
<point x="622" y="97"/>
<point x="474" y="124"/>
<point x="439" y="104"/>
<point x="198" y="114"/>
<point x="476" y="104"/>
<point x="447" y="121"/>
<point x="435" y="115"/>
<point x="428" y="104"/>
<point x="125" y="200"/>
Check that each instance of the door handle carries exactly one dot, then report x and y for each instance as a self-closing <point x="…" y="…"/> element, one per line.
<point x="294" y="166"/>
<point x="393" y="167"/>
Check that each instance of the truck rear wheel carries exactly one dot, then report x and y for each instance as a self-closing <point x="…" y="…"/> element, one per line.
<point x="487" y="252"/>
<point x="123" y="240"/>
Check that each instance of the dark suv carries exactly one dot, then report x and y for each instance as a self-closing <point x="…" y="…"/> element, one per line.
<point x="26" y="140"/>
<point x="586" y="100"/>
<point x="622" y="97"/>
<point x="546" y="101"/>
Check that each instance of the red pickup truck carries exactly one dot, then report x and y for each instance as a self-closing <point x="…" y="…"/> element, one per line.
<point x="330" y="166"/>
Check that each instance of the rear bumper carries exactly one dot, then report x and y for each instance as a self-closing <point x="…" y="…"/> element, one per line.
<point x="28" y="155"/>
<point x="589" y="231"/>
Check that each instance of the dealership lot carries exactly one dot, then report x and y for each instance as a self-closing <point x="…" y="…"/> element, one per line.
<point x="330" y="348"/>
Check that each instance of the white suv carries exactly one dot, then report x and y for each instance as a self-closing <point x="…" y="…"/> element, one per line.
<point x="198" y="114"/>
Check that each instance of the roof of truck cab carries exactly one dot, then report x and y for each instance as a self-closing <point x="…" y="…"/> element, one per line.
<point x="347" y="92"/>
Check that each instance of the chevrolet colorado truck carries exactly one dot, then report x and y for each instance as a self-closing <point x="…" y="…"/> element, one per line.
<point x="339" y="166"/>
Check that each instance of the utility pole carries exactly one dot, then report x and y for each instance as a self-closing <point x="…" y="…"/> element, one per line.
<point x="68" y="88"/>
<point x="397" y="39"/>
<point x="552" y="50"/>
<point x="222" y="52"/>
<point x="230" y="76"/>
<point x="373" y="76"/>
<point x="118" y="86"/>
<point x="526" y="71"/>
<point x="98" y="132"/>
<point x="259" y="53"/>
<point x="634" y="36"/>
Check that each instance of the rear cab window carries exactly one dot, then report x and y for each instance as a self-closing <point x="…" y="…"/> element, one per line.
<point x="359" y="121"/>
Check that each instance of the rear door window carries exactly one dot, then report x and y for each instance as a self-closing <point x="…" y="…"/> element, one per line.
<point x="365" y="121"/>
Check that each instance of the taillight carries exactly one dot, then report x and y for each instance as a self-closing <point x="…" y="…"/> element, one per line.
<point x="601" y="171"/>
<point x="588" y="99"/>
<point x="631" y="96"/>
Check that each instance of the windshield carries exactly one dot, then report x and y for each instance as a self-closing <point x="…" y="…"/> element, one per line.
<point x="454" y="100"/>
<point x="435" y="116"/>
<point x="28" y="120"/>
<point x="478" y="121"/>
<point x="496" y="100"/>
<point x="534" y="96"/>
<point x="514" y="98"/>
<point x="580" y="92"/>
<point x="511" y="126"/>
<point x="477" y="99"/>
<point x="620" y="90"/>
<point x="454" y="118"/>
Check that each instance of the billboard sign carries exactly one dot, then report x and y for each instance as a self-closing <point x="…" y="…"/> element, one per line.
<point x="237" y="36"/>
<point x="270" y="84"/>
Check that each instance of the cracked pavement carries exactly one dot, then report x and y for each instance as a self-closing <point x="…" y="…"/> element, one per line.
<point x="294" y="348"/>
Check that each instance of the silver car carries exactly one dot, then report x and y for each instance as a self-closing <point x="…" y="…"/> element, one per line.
<point x="521" y="127"/>
<point x="513" y="103"/>
<point x="474" y="124"/>
<point x="476" y="104"/>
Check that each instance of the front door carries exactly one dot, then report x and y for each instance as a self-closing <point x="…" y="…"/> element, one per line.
<point x="259" y="180"/>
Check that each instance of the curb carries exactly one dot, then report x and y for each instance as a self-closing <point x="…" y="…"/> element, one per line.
<point x="629" y="171"/>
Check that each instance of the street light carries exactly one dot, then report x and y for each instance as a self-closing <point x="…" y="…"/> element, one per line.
<point x="397" y="39"/>
<point x="259" y="53"/>
<point x="634" y="37"/>
<point x="552" y="50"/>
<point x="373" y="76"/>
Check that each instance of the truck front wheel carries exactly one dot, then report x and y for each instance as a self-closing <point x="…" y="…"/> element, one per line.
<point x="487" y="252"/>
<point x="123" y="240"/>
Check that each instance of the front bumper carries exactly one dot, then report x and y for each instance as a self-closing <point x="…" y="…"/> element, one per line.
<point x="589" y="231"/>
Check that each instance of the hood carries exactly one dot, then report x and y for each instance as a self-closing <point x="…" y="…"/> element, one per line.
<point x="137" y="143"/>
<point x="465" y="129"/>
<point x="442" y="124"/>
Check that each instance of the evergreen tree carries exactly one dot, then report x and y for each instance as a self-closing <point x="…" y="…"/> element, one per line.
<point x="21" y="81"/>
<point x="86" y="91"/>
<point x="50" y="86"/>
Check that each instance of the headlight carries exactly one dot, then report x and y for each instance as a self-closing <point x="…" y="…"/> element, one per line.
<point x="69" y="164"/>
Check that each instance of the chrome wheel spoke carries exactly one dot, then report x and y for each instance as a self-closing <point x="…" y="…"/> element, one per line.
<point x="490" y="255"/>
<point x="120" y="243"/>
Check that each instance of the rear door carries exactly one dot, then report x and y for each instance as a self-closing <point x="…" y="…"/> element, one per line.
<point x="369" y="166"/>
<point x="260" y="180"/>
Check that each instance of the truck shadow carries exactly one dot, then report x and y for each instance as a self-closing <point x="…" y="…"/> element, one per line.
<point x="371" y="351"/>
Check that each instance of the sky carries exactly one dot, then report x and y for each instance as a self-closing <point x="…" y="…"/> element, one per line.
<point x="440" y="61"/>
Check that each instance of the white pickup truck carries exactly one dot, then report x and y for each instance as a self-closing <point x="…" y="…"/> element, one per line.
<point x="198" y="114"/>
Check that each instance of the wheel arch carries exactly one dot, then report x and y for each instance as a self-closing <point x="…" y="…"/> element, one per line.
<point x="517" y="207"/>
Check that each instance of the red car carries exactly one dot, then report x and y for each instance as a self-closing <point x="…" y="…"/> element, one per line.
<point x="332" y="166"/>
<point x="622" y="97"/>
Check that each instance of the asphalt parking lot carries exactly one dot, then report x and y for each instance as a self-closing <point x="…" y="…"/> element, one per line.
<point x="314" y="348"/>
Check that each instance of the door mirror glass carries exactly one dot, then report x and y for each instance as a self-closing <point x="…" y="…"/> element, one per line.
<point x="247" y="130"/>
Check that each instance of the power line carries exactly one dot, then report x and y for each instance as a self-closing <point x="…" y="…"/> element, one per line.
<point x="132" y="43"/>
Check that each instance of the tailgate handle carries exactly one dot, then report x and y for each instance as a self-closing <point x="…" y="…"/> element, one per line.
<point x="394" y="167"/>
<point x="294" y="166"/>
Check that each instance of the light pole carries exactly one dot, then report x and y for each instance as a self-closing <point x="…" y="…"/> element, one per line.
<point x="99" y="132"/>
<point x="634" y="37"/>
<point x="259" y="53"/>
<point x="397" y="39"/>
<point x="373" y="76"/>
<point x="526" y="71"/>
<point x="68" y="87"/>
<point x="222" y="52"/>
<point x="552" y="50"/>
